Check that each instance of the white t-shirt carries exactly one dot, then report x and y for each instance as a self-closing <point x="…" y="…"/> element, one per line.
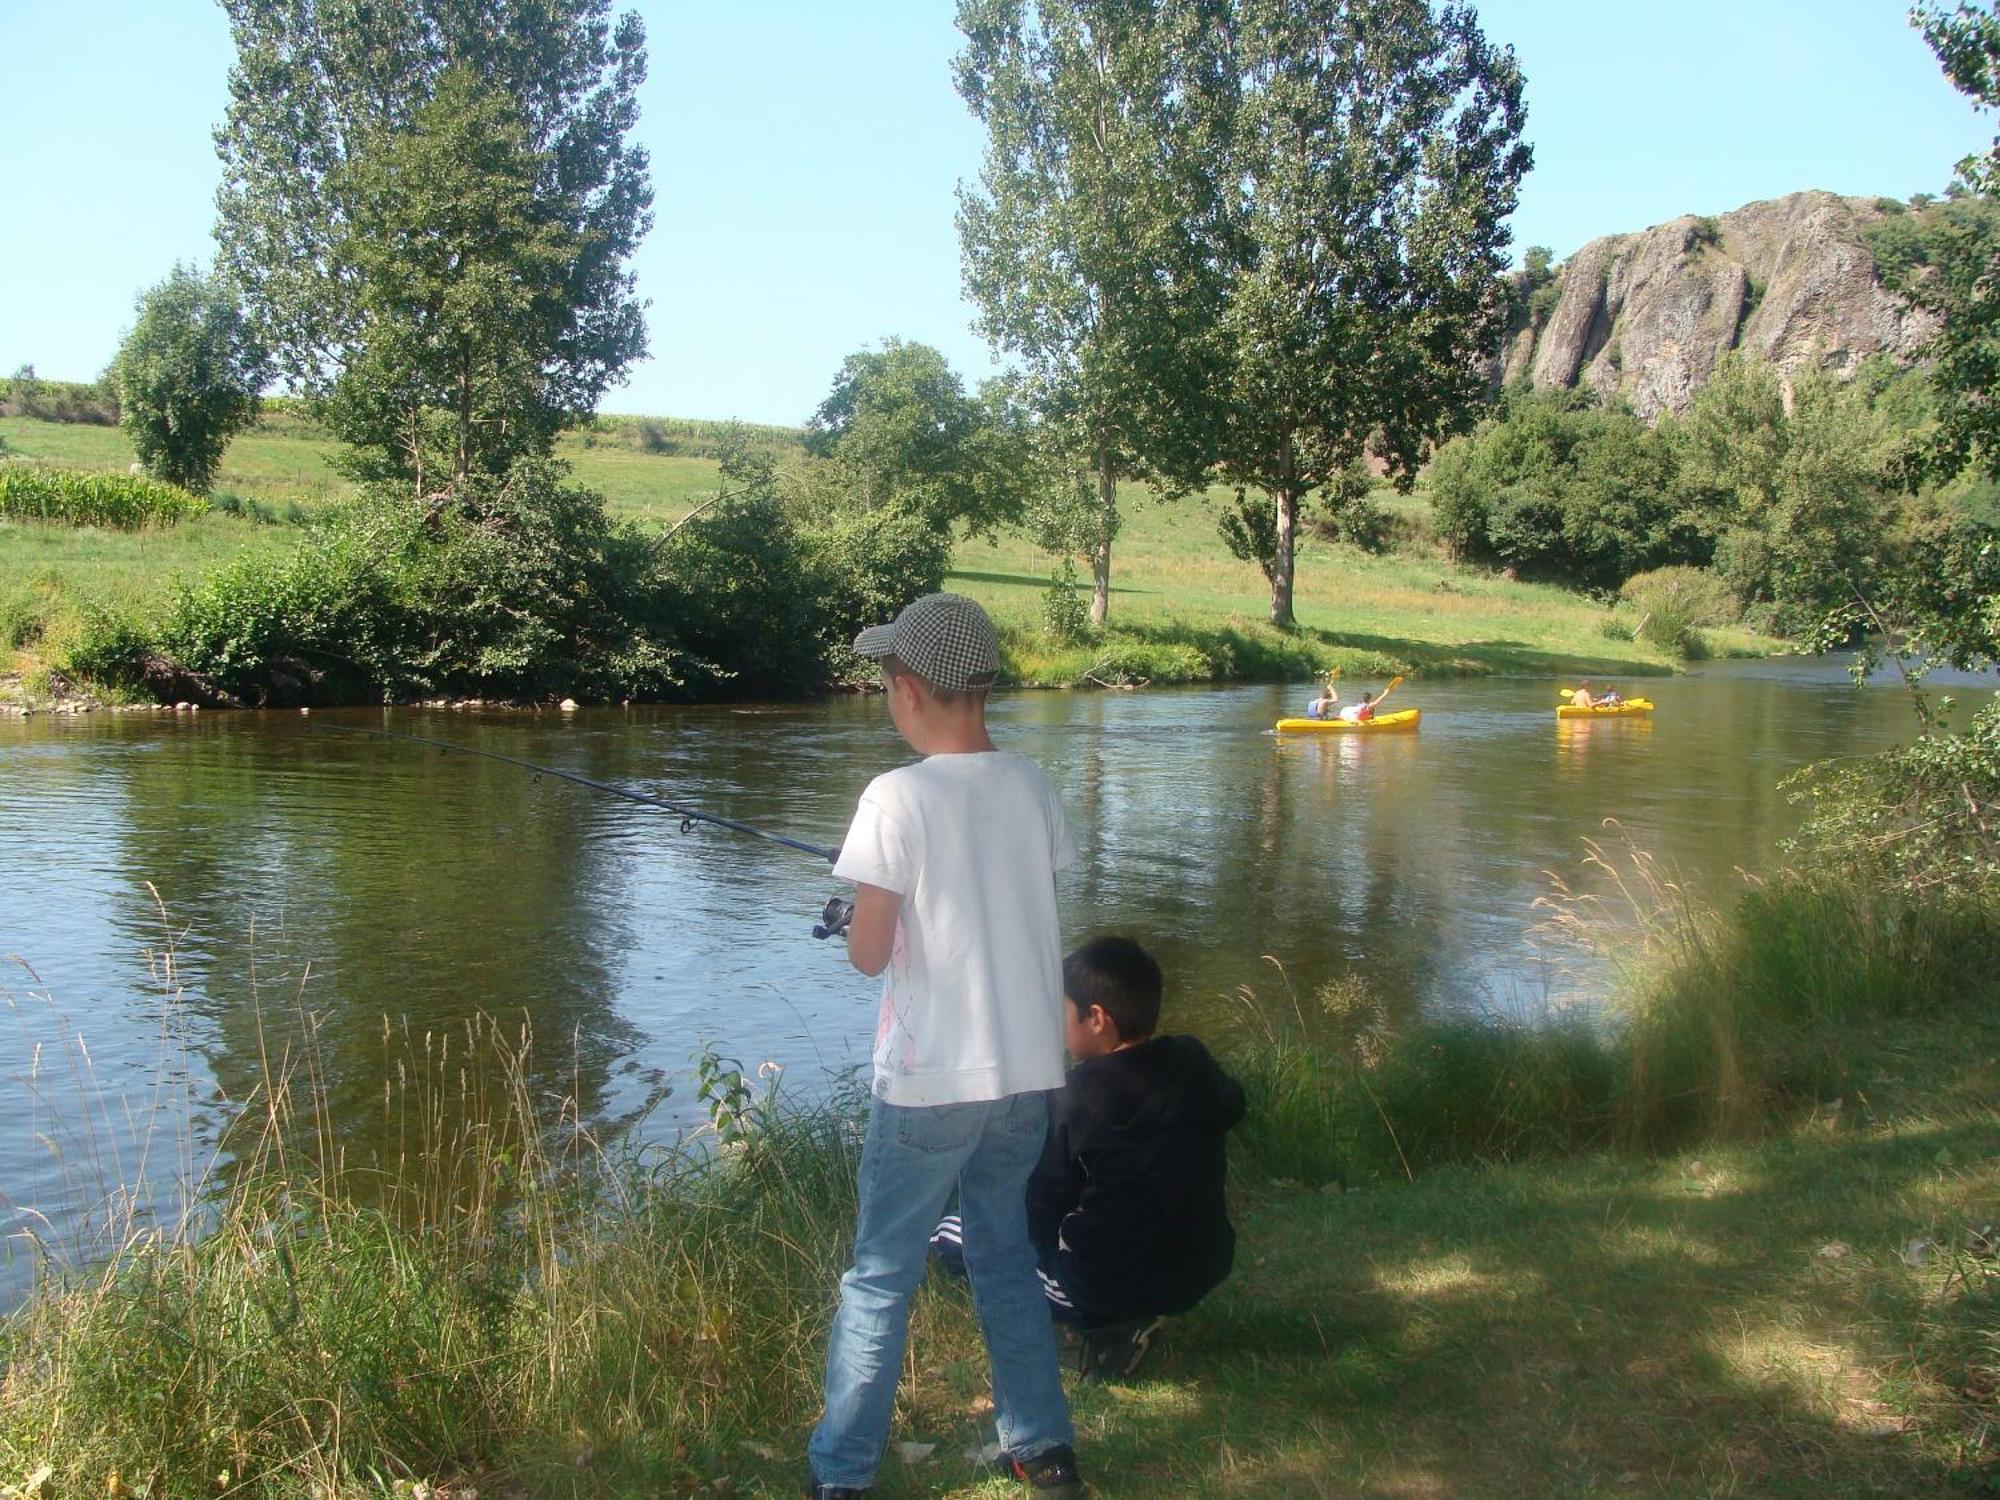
<point x="972" y="997"/>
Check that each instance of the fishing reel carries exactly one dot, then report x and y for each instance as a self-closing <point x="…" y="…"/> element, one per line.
<point x="832" y="921"/>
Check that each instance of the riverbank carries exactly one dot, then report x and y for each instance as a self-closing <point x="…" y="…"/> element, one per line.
<point x="1795" y="1295"/>
<point x="1182" y="610"/>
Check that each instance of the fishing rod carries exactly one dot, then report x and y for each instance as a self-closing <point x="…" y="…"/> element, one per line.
<point x="838" y="912"/>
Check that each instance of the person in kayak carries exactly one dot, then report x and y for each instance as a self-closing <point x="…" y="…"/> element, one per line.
<point x="1322" y="707"/>
<point x="1580" y="697"/>
<point x="1362" y="712"/>
<point x="1126" y="1206"/>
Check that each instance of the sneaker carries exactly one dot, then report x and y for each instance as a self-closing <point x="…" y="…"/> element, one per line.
<point x="1115" y="1351"/>
<point x="814" y="1490"/>
<point x="1050" y="1472"/>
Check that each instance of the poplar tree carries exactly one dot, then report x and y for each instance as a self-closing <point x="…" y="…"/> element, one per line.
<point x="1377" y="154"/>
<point x="1089" y="242"/>
<point x="366" y="254"/>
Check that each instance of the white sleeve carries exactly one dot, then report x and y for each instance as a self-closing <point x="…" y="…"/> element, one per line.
<point x="1062" y="843"/>
<point x="875" y="852"/>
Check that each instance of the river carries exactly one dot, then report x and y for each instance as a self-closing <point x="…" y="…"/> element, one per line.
<point x="293" y="868"/>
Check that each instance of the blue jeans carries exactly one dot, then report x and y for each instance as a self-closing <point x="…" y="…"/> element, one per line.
<point x="909" y="1162"/>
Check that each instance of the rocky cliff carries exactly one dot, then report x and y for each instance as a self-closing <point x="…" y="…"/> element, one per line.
<point x="1649" y="315"/>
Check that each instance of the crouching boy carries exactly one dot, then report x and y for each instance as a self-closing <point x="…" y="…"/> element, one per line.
<point x="1126" y="1206"/>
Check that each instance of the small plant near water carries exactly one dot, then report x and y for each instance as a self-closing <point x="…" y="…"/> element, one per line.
<point x="1065" y="611"/>
<point x="1675" y="604"/>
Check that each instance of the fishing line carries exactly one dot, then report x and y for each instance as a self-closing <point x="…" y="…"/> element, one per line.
<point x="689" y="816"/>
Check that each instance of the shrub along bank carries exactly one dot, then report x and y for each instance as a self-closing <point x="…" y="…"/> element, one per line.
<point x="1735" y="1243"/>
<point x="520" y="588"/>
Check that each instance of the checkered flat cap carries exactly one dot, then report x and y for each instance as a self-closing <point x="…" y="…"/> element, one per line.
<point x="946" y="639"/>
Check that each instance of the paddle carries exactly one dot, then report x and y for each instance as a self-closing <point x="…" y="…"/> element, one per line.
<point x="1394" y="683"/>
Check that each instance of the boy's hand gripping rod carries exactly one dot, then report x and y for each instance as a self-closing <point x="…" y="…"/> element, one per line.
<point x="839" y="911"/>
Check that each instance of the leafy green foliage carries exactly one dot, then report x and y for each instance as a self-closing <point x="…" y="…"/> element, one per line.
<point x="187" y="376"/>
<point x="1923" y="819"/>
<point x="1378" y="154"/>
<point x="1676" y="604"/>
<point x="1966" y="40"/>
<point x="534" y="594"/>
<point x="904" y="434"/>
<point x="865" y="569"/>
<point x="1250" y="530"/>
<point x="1943" y="260"/>
<point x="1089" y="245"/>
<point x="1065" y="613"/>
<point x="395" y="178"/>
<point x="1798" y="495"/>
<point x="25" y="394"/>
<point x="462" y="278"/>
<point x="1562" y="489"/>
<point x="69" y="497"/>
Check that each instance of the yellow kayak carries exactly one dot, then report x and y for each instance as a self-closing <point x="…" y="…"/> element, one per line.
<point x="1629" y="706"/>
<point x="1407" y="719"/>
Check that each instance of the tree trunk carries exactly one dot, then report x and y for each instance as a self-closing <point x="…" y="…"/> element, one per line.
<point x="464" y="418"/>
<point x="1281" y="566"/>
<point x="1100" y="547"/>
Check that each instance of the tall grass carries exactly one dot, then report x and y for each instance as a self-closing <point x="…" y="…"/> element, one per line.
<point x="496" y="1287"/>
<point x="1722" y="1022"/>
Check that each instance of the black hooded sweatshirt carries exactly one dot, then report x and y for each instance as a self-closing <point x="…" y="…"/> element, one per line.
<point x="1126" y="1205"/>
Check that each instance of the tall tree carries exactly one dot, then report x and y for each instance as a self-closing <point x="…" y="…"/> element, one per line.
<point x="1378" y="152"/>
<point x="1089" y="246"/>
<point x="900" y="424"/>
<point x="338" y="196"/>
<point x="1953" y="266"/>
<point x="187" y="377"/>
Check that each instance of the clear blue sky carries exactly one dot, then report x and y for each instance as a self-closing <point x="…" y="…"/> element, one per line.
<point x="805" y="156"/>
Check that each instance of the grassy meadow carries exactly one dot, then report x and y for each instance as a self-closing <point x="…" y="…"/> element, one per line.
<point x="1182" y="608"/>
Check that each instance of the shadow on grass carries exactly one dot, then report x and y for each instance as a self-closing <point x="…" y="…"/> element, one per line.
<point x="1477" y="658"/>
<point x="1262" y="652"/>
<point x="1025" y="580"/>
<point x="1582" y="1329"/>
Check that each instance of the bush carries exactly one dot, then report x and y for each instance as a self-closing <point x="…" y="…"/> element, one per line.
<point x="1065" y="611"/>
<point x="1923" y="819"/>
<point x="1360" y="522"/>
<point x="69" y="497"/>
<point x="869" y="566"/>
<point x="23" y="618"/>
<point x="1561" y="490"/>
<point x="1675" y="604"/>
<point x="520" y="589"/>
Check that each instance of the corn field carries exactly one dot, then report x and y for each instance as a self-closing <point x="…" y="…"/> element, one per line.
<point x="124" y="502"/>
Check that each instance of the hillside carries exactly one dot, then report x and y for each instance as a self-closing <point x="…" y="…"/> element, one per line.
<point x="1649" y="315"/>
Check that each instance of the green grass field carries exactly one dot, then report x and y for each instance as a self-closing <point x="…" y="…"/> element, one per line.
<point x="1181" y="606"/>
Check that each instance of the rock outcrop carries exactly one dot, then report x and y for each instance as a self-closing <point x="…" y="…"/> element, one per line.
<point x="1649" y="315"/>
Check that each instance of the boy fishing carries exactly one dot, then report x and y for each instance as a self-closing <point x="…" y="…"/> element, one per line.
<point x="953" y="860"/>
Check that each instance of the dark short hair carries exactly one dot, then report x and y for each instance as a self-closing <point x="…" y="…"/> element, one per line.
<point x="1119" y="975"/>
<point x="894" y="666"/>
